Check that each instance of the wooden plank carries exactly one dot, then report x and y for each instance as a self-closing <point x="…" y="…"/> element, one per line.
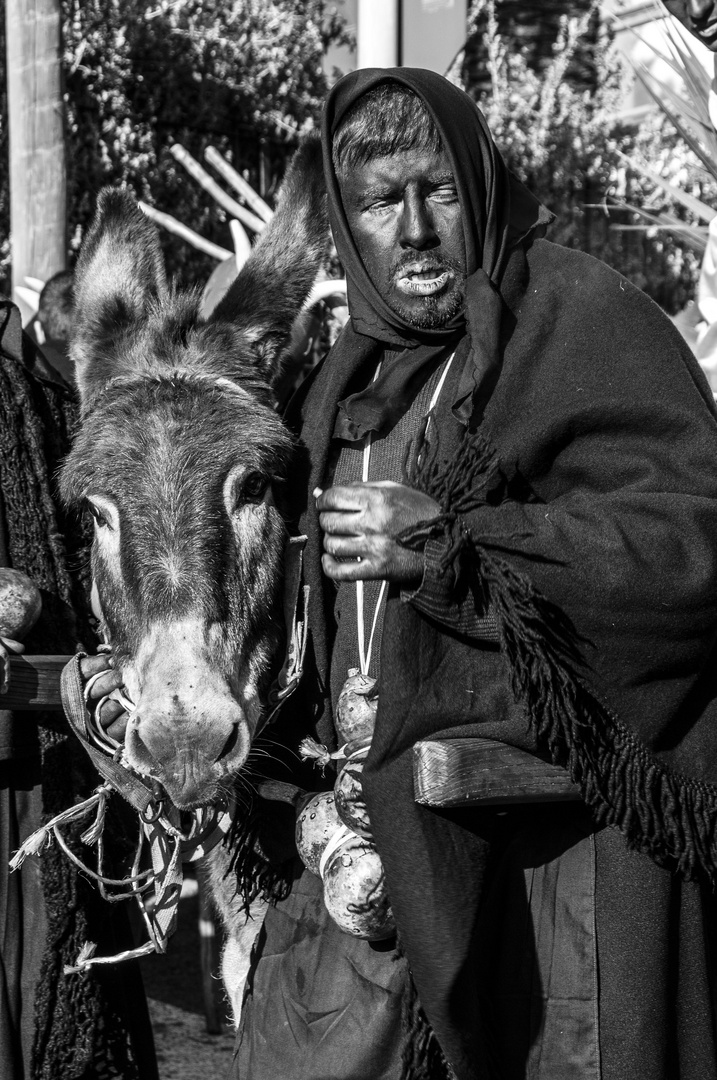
<point x="203" y="178"/>
<point x="242" y="186"/>
<point x="34" y="683"/>
<point x="481" y="772"/>
<point x="172" y="225"/>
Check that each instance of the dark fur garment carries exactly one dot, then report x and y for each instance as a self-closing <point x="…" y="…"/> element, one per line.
<point x="80" y="1028"/>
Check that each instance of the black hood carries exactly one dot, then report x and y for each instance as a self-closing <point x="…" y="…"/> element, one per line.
<point x="499" y="214"/>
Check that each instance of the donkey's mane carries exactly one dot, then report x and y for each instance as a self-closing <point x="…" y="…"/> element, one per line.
<point x="177" y="377"/>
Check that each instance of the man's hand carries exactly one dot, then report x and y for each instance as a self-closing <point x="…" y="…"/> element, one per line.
<point x="360" y="524"/>
<point x="113" y="718"/>
<point x="8" y="647"/>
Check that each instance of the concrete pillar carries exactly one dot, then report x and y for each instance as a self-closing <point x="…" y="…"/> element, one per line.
<point x="38" y="209"/>
<point x="377" y="33"/>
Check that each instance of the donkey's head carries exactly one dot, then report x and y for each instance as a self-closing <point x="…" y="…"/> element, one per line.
<point x="177" y="457"/>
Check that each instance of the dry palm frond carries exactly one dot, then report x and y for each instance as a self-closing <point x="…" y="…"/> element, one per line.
<point x="687" y="110"/>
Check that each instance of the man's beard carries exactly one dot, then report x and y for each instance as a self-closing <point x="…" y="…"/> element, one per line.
<point x="429" y="316"/>
<point x="434" y="311"/>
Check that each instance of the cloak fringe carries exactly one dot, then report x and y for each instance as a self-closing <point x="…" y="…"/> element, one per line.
<point x="665" y="815"/>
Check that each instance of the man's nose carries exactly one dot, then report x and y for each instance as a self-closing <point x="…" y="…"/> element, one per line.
<point x="699" y="10"/>
<point x="416" y="225"/>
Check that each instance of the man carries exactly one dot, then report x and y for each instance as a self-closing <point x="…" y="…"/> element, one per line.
<point x="53" y="326"/>
<point x="515" y="439"/>
<point x="700" y="18"/>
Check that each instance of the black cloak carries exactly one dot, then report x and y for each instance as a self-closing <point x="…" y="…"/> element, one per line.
<point x="588" y="528"/>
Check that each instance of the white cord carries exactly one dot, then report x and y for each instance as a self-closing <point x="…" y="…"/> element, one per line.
<point x="337" y="838"/>
<point x="365" y="653"/>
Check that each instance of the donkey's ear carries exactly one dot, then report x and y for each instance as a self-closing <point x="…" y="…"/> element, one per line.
<point x="119" y="273"/>
<point x="275" y="282"/>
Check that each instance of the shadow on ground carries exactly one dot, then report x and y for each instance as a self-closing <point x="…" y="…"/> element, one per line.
<point x="173" y="983"/>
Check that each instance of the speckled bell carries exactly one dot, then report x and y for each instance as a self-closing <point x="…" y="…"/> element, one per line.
<point x="348" y="790"/>
<point x="315" y="825"/>
<point x="356" y="707"/>
<point x="355" y="890"/>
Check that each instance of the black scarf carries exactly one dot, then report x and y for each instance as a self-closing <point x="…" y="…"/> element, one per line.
<point x="498" y="213"/>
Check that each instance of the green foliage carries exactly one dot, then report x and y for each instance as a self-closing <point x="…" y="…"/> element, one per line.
<point x="244" y="76"/>
<point x="555" y="124"/>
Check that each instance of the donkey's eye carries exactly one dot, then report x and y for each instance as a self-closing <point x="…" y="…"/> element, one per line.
<point x="100" y="519"/>
<point x="254" y="487"/>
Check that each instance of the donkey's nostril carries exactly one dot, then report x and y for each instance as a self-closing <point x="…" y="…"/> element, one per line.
<point x="230" y="743"/>
<point x="141" y="755"/>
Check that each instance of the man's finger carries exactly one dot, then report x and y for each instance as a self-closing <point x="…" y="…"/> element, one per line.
<point x="340" y="524"/>
<point x="382" y="484"/>
<point x="346" y="547"/>
<point x="118" y="729"/>
<point x="12" y="646"/>
<point x="105" y="684"/>
<point x="90" y="665"/>
<point x="8" y="646"/>
<point x="352" y="570"/>
<point x="109" y="713"/>
<point x="344" y="497"/>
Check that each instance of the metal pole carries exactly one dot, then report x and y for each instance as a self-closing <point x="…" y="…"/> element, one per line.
<point x="377" y="33"/>
<point x="38" y="184"/>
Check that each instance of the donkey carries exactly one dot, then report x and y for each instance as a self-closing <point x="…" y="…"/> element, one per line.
<point x="177" y="459"/>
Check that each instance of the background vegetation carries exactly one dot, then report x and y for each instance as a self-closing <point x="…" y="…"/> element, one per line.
<point x="553" y="105"/>
<point x="246" y="76"/>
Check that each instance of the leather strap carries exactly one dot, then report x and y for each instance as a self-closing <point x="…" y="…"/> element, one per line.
<point x="132" y="787"/>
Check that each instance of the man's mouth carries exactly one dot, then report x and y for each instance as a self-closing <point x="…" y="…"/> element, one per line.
<point x="707" y="34"/>
<point x="422" y="280"/>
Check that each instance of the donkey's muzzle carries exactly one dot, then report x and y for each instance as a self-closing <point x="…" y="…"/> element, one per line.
<point x="190" y="750"/>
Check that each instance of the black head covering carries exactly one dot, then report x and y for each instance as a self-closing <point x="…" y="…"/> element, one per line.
<point x="498" y="213"/>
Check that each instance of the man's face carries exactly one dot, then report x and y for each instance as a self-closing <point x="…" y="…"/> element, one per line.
<point x="700" y="18"/>
<point x="406" y="221"/>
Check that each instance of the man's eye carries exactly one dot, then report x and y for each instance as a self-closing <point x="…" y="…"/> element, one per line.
<point x="374" y="201"/>
<point x="100" y="519"/>
<point x="445" y="194"/>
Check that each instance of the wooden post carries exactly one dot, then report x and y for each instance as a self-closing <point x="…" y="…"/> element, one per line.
<point x="377" y="33"/>
<point x="38" y="182"/>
